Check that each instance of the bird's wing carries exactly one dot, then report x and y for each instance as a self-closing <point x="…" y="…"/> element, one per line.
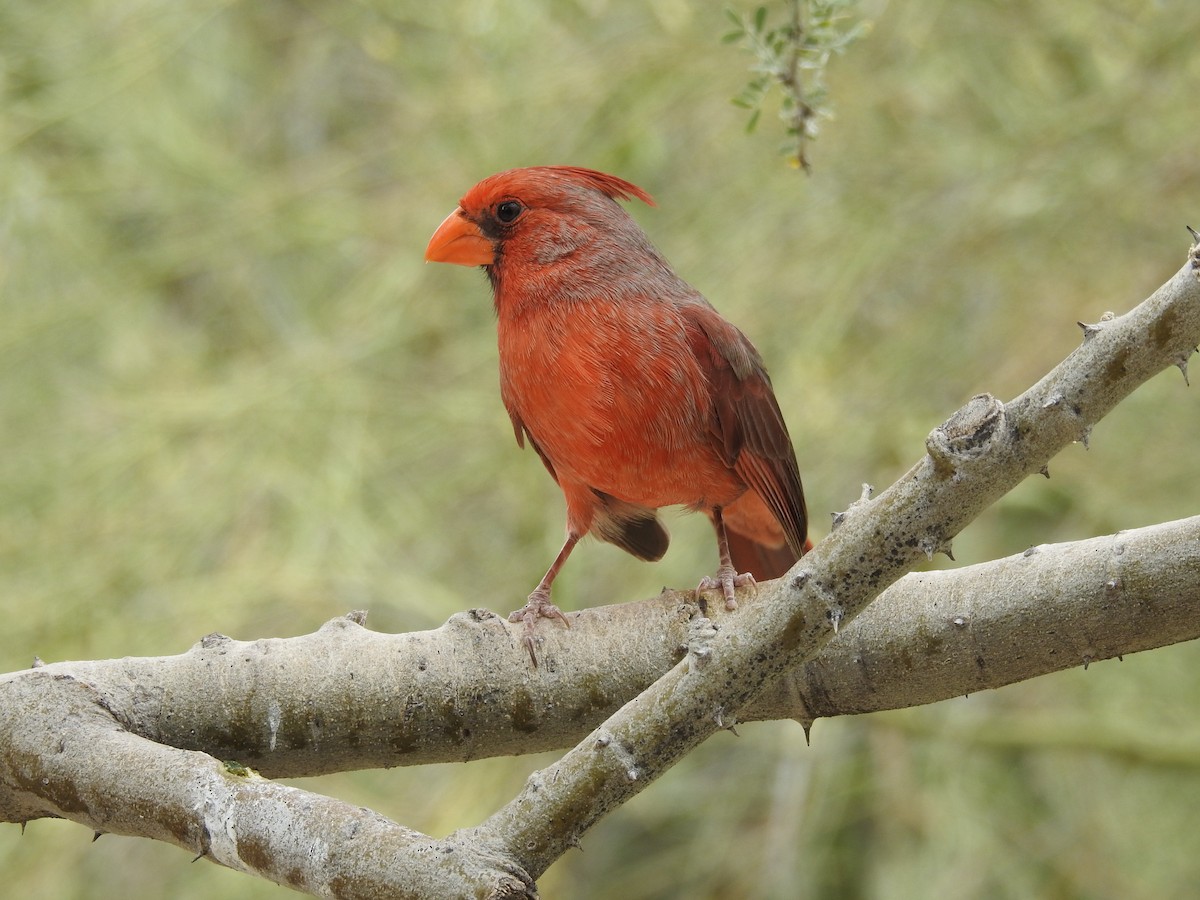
<point x="522" y="434"/>
<point x="747" y="425"/>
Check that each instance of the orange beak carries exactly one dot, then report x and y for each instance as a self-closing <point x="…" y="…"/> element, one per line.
<point x="458" y="240"/>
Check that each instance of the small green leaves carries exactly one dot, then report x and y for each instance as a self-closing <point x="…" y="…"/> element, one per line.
<point x="793" y="56"/>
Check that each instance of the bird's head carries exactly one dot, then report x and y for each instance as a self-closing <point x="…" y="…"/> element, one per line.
<point x="535" y="217"/>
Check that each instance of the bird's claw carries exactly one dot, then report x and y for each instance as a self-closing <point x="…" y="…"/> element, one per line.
<point x="538" y="607"/>
<point x="727" y="581"/>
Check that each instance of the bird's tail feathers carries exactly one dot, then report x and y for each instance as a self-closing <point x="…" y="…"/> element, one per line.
<point x="758" y="544"/>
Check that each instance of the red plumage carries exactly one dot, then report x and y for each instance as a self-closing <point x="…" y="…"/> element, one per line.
<point x="630" y="386"/>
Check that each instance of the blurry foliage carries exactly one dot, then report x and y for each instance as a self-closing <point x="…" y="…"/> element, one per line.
<point x="234" y="399"/>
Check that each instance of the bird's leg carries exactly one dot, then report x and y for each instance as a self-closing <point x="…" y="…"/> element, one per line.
<point x="539" y="605"/>
<point x="727" y="577"/>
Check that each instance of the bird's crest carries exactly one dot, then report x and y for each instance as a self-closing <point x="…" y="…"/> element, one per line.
<point x="611" y="185"/>
<point x="536" y="179"/>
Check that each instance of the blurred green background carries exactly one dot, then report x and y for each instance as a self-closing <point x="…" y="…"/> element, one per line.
<point x="233" y="398"/>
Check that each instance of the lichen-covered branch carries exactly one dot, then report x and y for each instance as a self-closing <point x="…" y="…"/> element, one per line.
<point x="64" y="753"/>
<point x="345" y="698"/>
<point x="75" y="737"/>
<point x="935" y="635"/>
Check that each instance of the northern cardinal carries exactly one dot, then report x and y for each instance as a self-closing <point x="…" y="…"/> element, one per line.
<point x="631" y="387"/>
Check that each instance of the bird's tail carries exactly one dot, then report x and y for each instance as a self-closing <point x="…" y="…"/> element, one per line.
<point x="757" y="543"/>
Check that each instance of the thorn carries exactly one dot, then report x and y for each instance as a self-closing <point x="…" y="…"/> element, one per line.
<point x="1089" y="331"/>
<point x="1182" y="365"/>
<point x="833" y="609"/>
<point x="1030" y="552"/>
<point x="1195" y="235"/>
<point x="801" y="580"/>
<point x="1087" y="661"/>
<point x="1120" y="657"/>
<point x="1085" y="437"/>
<point x="807" y="725"/>
<point x="23" y="821"/>
<point x="867" y="491"/>
<point x="623" y="757"/>
<point x="959" y="621"/>
<point x="1044" y="470"/>
<point x="199" y="856"/>
<point x="838" y="519"/>
<point x="1053" y="400"/>
<point x="37" y="663"/>
<point x="96" y="836"/>
<point x="946" y="549"/>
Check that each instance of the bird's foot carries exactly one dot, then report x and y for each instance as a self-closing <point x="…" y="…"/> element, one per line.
<point x="727" y="580"/>
<point x="538" y="607"/>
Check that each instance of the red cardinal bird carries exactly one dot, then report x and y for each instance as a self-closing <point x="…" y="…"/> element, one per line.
<point x="630" y="386"/>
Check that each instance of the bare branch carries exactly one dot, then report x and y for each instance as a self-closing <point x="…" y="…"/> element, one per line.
<point x="65" y="755"/>
<point x="66" y="750"/>
<point x="936" y="635"/>
<point x="346" y="698"/>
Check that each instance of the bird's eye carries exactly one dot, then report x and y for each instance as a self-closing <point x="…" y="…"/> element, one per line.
<point x="508" y="210"/>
